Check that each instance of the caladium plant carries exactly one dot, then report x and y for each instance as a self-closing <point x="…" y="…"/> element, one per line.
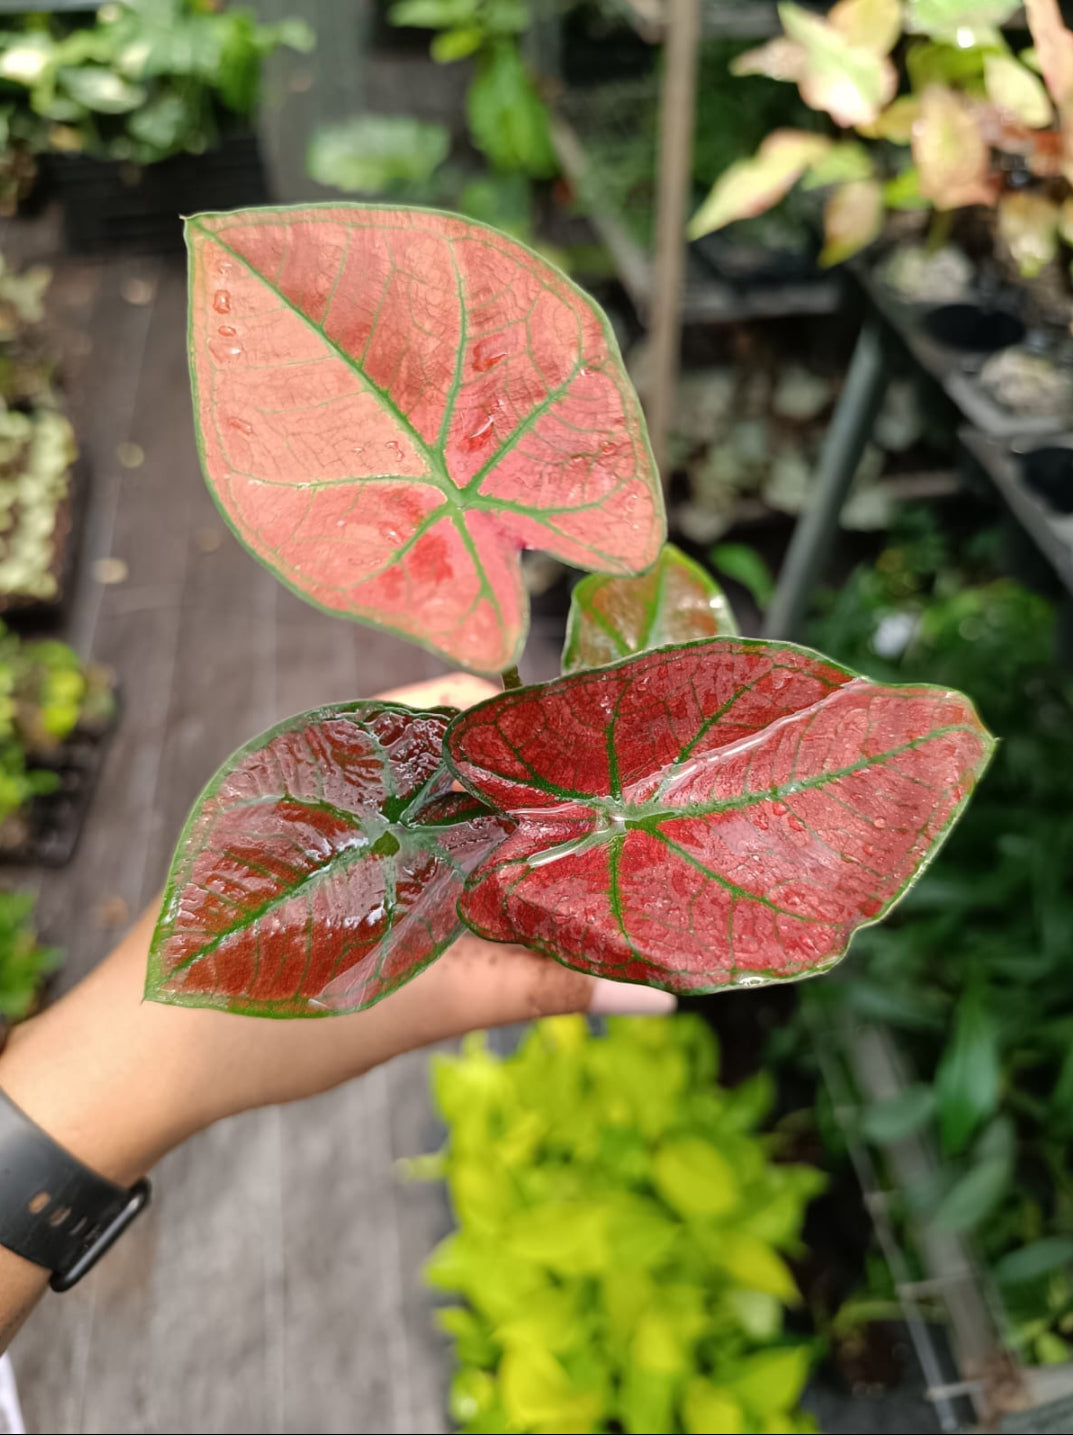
<point x="980" y="125"/>
<point x="391" y="404"/>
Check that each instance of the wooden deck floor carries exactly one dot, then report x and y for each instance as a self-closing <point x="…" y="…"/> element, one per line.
<point x="274" y="1284"/>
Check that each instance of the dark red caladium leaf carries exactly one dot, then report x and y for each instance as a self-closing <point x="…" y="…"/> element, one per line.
<point x="717" y="814"/>
<point x="321" y="867"/>
<point x="677" y="601"/>
<point x="392" y="403"/>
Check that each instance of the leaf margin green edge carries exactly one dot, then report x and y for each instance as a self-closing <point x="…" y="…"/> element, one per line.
<point x="614" y="350"/>
<point x="155" y="986"/>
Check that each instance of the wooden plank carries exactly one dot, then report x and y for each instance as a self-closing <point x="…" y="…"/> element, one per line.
<point x="51" y="1355"/>
<point x="351" y="1329"/>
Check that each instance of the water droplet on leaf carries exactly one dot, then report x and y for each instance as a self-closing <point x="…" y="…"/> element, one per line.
<point x="221" y="301"/>
<point x="480" y="436"/>
<point x="486" y="354"/>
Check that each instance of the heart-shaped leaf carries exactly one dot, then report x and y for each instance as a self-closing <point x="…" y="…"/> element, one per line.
<point x="677" y="602"/>
<point x="852" y="218"/>
<point x="722" y="813"/>
<point x="393" y="403"/>
<point x="749" y="186"/>
<point x="1013" y="87"/>
<point x="849" y="80"/>
<point x="1028" y="226"/>
<point x="952" y="157"/>
<point x="320" y="868"/>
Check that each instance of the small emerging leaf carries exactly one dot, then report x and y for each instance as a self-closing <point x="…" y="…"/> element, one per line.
<point x="952" y="157"/>
<point x="852" y="219"/>
<point x="1028" y="225"/>
<point x="394" y="402"/>
<point x="320" y="868"/>
<point x="610" y="618"/>
<point x="722" y="813"/>
<point x="1014" y="88"/>
<point x="749" y="186"/>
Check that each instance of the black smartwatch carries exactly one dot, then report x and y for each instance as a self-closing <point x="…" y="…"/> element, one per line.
<point x="55" y="1211"/>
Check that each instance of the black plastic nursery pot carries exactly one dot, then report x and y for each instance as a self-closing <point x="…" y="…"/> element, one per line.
<point x="973" y="328"/>
<point x="109" y="205"/>
<point x="1048" y="472"/>
<point x="738" y="262"/>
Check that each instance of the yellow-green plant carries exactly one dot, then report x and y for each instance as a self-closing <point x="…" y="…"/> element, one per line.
<point x="976" y="126"/>
<point x="622" y="1236"/>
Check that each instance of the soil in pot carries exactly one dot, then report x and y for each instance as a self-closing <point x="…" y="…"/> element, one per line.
<point x="919" y="275"/>
<point x="1048" y="472"/>
<point x="1028" y="383"/>
<point x="972" y="328"/>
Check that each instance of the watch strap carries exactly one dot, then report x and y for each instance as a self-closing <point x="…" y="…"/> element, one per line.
<point x="54" y="1210"/>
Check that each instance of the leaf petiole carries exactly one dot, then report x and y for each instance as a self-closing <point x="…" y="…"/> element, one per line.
<point x="511" y="678"/>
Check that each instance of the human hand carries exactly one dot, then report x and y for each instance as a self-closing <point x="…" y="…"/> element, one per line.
<point x="120" y="1081"/>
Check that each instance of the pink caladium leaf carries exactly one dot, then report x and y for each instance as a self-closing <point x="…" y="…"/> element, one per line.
<point x="750" y="186"/>
<point x="722" y="813"/>
<point x="392" y="403"/>
<point x="676" y="602"/>
<point x="951" y="153"/>
<point x="321" y="867"/>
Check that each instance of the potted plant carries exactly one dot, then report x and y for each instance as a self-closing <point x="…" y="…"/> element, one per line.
<point x="143" y="110"/>
<point x="55" y="711"/>
<point x="392" y="404"/>
<point x="977" y="133"/>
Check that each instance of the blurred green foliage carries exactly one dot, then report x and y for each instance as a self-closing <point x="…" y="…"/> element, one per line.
<point x="46" y="691"/>
<point x="623" y="1234"/>
<point x="24" y="963"/>
<point x="973" y="973"/>
<point x="378" y="154"/>
<point x="138" y="81"/>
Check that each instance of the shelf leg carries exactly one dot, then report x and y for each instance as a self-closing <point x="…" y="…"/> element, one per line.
<point x="674" y="178"/>
<point x="849" y="431"/>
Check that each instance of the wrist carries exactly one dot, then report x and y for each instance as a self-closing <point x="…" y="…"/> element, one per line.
<point x="102" y="1074"/>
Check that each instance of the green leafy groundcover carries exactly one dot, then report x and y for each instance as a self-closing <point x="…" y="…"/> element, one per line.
<point x="974" y="975"/>
<point x="622" y="1239"/>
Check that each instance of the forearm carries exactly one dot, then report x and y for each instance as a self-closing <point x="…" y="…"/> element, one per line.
<point x="120" y="1081"/>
